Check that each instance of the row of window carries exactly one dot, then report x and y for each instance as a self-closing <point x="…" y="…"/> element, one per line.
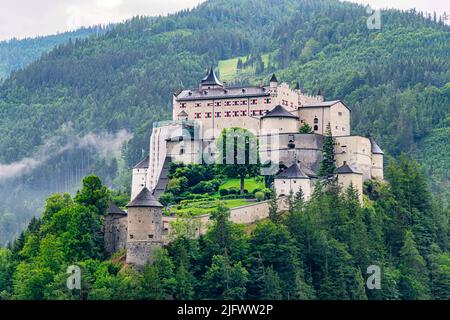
<point x="228" y="114"/>
<point x="228" y="103"/>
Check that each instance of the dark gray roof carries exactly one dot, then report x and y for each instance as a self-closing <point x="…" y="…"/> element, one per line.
<point x="346" y="169"/>
<point x="279" y="112"/>
<point x="113" y="209"/>
<point x="223" y="93"/>
<point x="274" y="78"/>
<point x="325" y="104"/>
<point x="183" y="114"/>
<point x="375" y="147"/>
<point x="296" y="171"/>
<point x="143" y="164"/>
<point x="144" y="199"/>
<point x="321" y="104"/>
<point x="211" y="79"/>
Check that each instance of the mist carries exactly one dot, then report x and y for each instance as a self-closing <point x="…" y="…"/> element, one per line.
<point x="106" y="144"/>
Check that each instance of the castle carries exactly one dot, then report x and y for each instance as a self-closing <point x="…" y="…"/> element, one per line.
<point x="274" y="113"/>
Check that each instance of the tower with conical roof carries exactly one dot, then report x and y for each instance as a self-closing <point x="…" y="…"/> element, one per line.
<point x="145" y="228"/>
<point x="210" y="81"/>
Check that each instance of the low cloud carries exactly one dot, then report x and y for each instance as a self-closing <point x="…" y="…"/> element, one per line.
<point x="106" y="144"/>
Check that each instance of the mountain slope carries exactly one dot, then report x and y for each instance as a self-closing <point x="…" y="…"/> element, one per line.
<point x="394" y="79"/>
<point x="17" y="54"/>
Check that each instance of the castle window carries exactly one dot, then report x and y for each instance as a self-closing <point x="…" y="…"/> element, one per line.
<point x="181" y="150"/>
<point x="340" y="114"/>
<point x="227" y="114"/>
<point x="244" y="102"/>
<point x="218" y="114"/>
<point x="235" y="113"/>
<point x="267" y="100"/>
<point x="316" y="128"/>
<point x="244" y="113"/>
<point x="227" y="103"/>
<point x="316" y="120"/>
<point x="183" y="105"/>
<point x="207" y="115"/>
<point x="254" y="101"/>
<point x="150" y="236"/>
<point x="210" y="104"/>
<point x="197" y="115"/>
<point x="198" y="105"/>
<point x="218" y="104"/>
<point x="131" y="236"/>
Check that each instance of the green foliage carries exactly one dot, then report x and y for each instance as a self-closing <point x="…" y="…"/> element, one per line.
<point x="259" y="196"/>
<point x="328" y="165"/>
<point x="243" y="160"/>
<point x="306" y="128"/>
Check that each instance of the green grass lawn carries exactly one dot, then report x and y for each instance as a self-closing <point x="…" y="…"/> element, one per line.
<point x="228" y="68"/>
<point x="197" y="208"/>
<point x="250" y="184"/>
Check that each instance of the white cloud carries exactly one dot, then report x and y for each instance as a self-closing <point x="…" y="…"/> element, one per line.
<point x="30" y="18"/>
<point x="106" y="144"/>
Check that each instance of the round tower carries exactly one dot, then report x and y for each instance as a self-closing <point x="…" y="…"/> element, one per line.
<point x="377" y="160"/>
<point x="144" y="228"/>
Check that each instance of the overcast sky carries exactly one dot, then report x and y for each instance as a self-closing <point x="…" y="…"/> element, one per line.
<point x="29" y="18"/>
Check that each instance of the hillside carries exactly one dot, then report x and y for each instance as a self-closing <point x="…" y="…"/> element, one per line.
<point x="396" y="81"/>
<point x="17" y="54"/>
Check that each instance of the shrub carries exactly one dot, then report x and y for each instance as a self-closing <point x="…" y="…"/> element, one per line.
<point x="267" y="193"/>
<point x="167" y="199"/>
<point x="233" y="190"/>
<point x="257" y="190"/>
<point x="259" y="196"/>
<point x="223" y="192"/>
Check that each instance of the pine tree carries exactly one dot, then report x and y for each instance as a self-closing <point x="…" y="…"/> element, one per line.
<point x="327" y="166"/>
<point x="272" y="286"/>
<point x="414" y="274"/>
<point x="274" y="213"/>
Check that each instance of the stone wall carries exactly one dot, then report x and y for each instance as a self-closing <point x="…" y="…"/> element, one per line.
<point x="115" y="233"/>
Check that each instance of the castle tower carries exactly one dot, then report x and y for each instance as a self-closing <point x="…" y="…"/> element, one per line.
<point x="347" y="176"/>
<point x="145" y="228"/>
<point x="210" y="81"/>
<point x="115" y="229"/>
<point x="139" y="179"/>
<point x="280" y="119"/>
<point x="377" y="160"/>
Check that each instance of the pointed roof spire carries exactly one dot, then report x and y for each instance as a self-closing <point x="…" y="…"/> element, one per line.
<point x="274" y="78"/>
<point x="113" y="209"/>
<point x="211" y="79"/>
<point x="375" y="147"/>
<point x="319" y="93"/>
<point x="144" y="199"/>
<point x="345" y="168"/>
<point x="297" y="86"/>
<point x="143" y="164"/>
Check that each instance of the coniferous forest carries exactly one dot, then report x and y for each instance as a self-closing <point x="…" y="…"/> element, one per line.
<point x="56" y="109"/>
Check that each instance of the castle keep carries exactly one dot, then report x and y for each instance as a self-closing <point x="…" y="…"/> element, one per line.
<point x="274" y="113"/>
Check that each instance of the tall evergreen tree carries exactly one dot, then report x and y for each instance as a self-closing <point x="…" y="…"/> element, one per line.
<point x="327" y="166"/>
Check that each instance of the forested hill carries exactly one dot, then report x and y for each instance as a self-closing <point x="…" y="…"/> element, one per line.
<point x="16" y="54"/>
<point x="396" y="80"/>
